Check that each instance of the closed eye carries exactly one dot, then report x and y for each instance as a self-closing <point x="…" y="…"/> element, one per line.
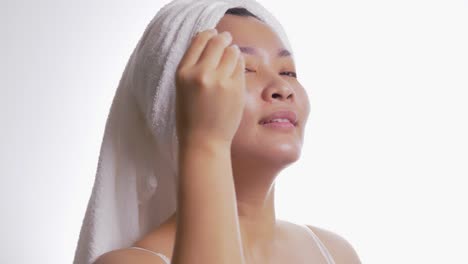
<point x="288" y="73"/>
<point x="291" y="74"/>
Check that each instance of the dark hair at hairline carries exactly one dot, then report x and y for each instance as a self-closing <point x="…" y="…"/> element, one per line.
<point x="240" y="11"/>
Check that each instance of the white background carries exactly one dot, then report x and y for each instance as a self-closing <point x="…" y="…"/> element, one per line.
<point x="386" y="156"/>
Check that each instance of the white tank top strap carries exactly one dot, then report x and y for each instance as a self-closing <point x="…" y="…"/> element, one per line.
<point x="164" y="258"/>
<point x="326" y="254"/>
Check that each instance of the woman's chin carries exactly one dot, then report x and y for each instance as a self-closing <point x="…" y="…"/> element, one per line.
<point x="277" y="154"/>
<point x="283" y="153"/>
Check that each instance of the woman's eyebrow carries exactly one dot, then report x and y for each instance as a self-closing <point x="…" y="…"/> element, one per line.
<point x="253" y="51"/>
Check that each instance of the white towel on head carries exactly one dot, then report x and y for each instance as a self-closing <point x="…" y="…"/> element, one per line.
<point x="135" y="185"/>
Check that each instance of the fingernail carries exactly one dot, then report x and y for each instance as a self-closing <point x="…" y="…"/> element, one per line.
<point x="227" y="35"/>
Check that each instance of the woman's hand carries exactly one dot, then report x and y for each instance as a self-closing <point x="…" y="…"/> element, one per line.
<point x="210" y="89"/>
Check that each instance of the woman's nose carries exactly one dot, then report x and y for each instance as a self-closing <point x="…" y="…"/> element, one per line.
<point x="278" y="90"/>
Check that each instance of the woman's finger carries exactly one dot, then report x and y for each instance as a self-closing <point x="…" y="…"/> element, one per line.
<point x="239" y="71"/>
<point x="211" y="55"/>
<point x="229" y="60"/>
<point x="192" y="54"/>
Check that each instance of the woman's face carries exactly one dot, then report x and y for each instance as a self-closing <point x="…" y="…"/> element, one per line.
<point x="271" y="87"/>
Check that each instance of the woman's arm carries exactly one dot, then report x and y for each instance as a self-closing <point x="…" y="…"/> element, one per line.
<point x="207" y="222"/>
<point x="210" y="99"/>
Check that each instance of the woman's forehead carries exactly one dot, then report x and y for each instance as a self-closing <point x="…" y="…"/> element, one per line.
<point x="253" y="36"/>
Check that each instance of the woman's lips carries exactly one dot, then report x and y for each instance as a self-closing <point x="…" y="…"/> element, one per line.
<point x="281" y="116"/>
<point x="279" y="125"/>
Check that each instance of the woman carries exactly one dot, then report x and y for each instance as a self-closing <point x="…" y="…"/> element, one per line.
<point x="240" y="116"/>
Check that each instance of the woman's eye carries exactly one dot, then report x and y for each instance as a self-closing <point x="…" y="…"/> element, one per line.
<point x="290" y="74"/>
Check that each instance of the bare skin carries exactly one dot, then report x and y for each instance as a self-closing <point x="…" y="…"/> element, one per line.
<point x="237" y="140"/>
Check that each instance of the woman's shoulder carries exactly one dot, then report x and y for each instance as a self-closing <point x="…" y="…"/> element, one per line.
<point x="129" y="256"/>
<point x="158" y="241"/>
<point x="340" y="248"/>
